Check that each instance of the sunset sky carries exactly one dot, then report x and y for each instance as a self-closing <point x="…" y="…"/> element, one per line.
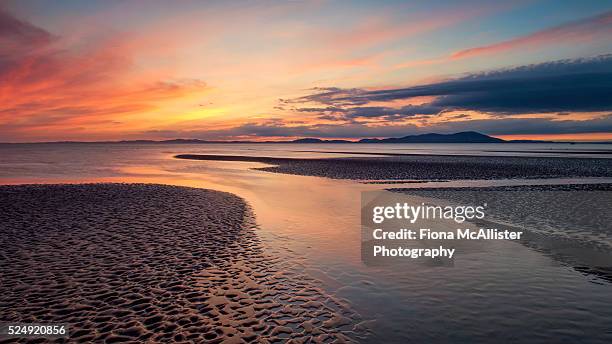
<point x="260" y="70"/>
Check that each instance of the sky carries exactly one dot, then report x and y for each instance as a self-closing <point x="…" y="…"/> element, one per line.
<point x="280" y="70"/>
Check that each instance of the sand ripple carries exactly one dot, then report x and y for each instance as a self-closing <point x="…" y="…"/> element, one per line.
<point x="135" y="262"/>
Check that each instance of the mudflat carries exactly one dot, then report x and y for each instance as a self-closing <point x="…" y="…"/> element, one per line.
<point x="427" y="167"/>
<point x="146" y="262"/>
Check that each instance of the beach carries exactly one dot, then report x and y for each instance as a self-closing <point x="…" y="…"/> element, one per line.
<point x="131" y="243"/>
<point x="143" y="262"/>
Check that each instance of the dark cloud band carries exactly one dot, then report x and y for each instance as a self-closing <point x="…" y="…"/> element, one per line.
<point x="579" y="85"/>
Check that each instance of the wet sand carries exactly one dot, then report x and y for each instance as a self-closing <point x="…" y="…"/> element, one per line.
<point x="429" y="167"/>
<point x="570" y="222"/>
<point x="145" y="262"/>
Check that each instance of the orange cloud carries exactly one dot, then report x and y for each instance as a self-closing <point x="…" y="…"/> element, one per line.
<point x="44" y="84"/>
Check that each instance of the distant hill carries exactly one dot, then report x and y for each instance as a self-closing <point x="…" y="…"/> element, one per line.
<point x="462" y="137"/>
<point x="312" y="140"/>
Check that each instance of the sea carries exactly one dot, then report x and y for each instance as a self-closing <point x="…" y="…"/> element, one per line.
<point x="504" y="290"/>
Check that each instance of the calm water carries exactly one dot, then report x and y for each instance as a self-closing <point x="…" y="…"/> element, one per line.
<point x="501" y="289"/>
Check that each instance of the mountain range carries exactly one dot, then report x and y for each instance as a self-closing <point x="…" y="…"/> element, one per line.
<point x="460" y="137"/>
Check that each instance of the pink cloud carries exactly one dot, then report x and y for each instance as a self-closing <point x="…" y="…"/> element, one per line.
<point x="45" y="84"/>
<point x="382" y="29"/>
<point x="576" y="31"/>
